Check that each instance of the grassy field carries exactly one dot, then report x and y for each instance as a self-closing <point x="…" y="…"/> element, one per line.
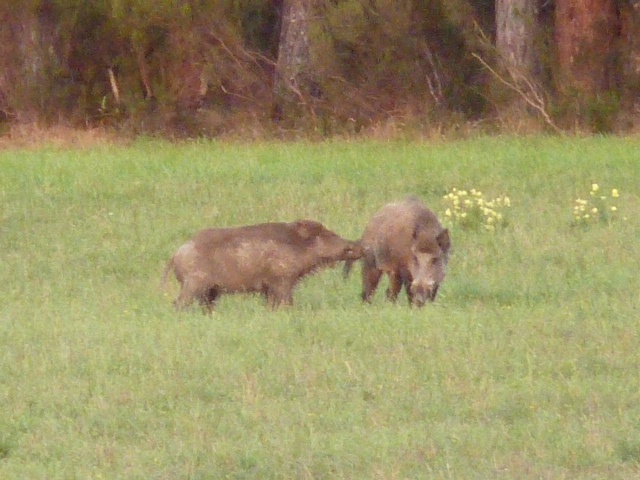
<point x="526" y="367"/>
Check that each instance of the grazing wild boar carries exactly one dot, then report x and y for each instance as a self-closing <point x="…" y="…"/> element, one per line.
<point x="406" y="241"/>
<point x="269" y="259"/>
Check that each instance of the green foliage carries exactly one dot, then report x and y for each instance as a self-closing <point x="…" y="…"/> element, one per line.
<point x="168" y="59"/>
<point x="602" y="112"/>
<point x="596" y="113"/>
<point x="201" y="68"/>
<point x="258" y="23"/>
<point x="388" y="49"/>
<point x="524" y="368"/>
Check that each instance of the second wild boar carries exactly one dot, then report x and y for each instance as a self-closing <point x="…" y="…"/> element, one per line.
<point x="406" y="241"/>
<point x="268" y="259"/>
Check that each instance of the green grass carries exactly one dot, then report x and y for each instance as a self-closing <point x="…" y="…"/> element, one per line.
<point x="526" y="367"/>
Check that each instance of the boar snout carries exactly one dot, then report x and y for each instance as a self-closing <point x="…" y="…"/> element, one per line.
<point x="421" y="293"/>
<point x="348" y="252"/>
<point x="354" y="252"/>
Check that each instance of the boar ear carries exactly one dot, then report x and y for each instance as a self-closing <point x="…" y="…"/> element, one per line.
<point x="443" y="240"/>
<point x="307" y="228"/>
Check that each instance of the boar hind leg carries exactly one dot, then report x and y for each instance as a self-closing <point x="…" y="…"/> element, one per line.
<point x="185" y="298"/>
<point x="189" y="292"/>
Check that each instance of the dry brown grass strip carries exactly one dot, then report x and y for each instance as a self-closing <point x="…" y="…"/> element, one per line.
<point x="27" y="136"/>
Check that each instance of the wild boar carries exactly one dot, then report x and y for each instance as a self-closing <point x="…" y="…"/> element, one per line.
<point x="268" y="259"/>
<point x="406" y="241"/>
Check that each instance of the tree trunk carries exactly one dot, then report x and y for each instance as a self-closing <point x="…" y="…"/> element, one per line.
<point x="586" y="32"/>
<point x="29" y="58"/>
<point x="516" y="32"/>
<point x="630" y="53"/>
<point x="293" y="71"/>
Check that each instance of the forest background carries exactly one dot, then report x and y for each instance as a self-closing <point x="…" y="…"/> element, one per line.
<point x="278" y="68"/>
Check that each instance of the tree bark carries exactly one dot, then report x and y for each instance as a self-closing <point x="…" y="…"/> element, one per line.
<point x="586" y="32"/>
<point x="516" y="32"/>
<point x="293" y="70"/>
<point x="630" y="54"/>
<point x="29" y="58"/>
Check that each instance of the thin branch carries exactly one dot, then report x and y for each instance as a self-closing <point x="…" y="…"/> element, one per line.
<point x="224" y="47"/>
<point x="227" y="92"/>
<point x="435" y="85"/>
<point x="301" y="98"/>
<point x="114" y="85"/>
<point x="530" y="93"/>
<point x="537" y="102"/>
<point x="143" y="68"/>
<point x="250" y="55"/>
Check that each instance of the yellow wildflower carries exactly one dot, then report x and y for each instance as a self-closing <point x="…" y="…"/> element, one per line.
<point x="614" y="193"/>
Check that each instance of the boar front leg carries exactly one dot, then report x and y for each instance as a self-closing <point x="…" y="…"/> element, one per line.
<point x="395" y="285"/>
<point x="407" y="279"/>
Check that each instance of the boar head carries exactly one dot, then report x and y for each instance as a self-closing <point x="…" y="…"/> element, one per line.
<point x="327" y="246"/>
<point x="427" y="267"/>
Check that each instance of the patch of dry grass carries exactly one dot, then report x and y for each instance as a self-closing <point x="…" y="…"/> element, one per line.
<point x="34" y="136"/>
